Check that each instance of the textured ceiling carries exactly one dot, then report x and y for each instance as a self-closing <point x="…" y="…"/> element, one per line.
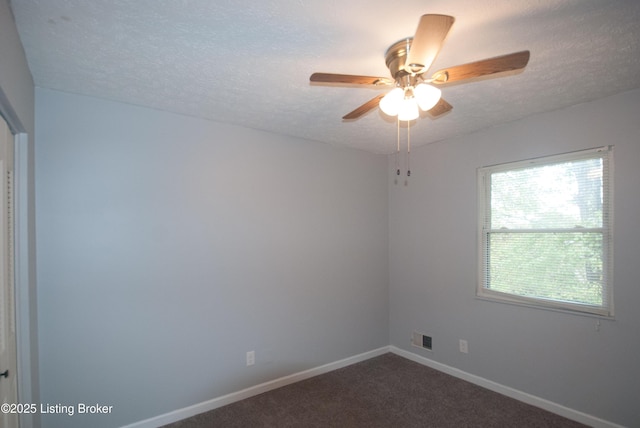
<point x="248" y="62"/>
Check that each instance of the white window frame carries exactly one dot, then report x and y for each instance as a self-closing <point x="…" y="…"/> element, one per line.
<point x="484" y="201"/>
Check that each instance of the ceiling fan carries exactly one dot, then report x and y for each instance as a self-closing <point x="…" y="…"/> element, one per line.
<point x="408" y="61"/>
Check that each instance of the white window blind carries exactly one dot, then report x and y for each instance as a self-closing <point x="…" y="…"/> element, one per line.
<point x="546" y="232"/>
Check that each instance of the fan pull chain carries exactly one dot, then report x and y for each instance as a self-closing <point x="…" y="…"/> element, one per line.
<point x="408" y="149"/>
<point x="398" y="149"/>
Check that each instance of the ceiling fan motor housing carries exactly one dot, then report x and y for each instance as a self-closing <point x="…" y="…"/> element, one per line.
<point x="396" y="57"/>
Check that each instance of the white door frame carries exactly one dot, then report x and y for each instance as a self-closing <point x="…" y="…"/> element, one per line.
<point x="25" y="291"/>
<point x="9" y="345"/>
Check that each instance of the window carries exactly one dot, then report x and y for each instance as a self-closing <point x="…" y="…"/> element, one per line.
<point x="545" y="232"/>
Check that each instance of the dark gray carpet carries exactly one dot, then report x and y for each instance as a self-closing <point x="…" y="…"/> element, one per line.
<point x="386" y="391"/>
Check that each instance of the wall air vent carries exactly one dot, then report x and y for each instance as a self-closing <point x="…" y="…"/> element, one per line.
<point x="421" y="340"/>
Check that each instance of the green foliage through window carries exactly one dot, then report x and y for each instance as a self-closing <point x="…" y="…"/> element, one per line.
<point x="545" y="232"/>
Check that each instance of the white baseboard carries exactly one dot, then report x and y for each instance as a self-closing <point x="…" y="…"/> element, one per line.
<point x="550" y="406"/>
<point x="208" y="405"/>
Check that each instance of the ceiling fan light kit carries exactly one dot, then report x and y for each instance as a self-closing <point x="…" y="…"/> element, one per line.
<point x="427" y="96"/>
<point x="404" y="102"/>
<point x="390" y="103"/>
<point x="408" y="110"/>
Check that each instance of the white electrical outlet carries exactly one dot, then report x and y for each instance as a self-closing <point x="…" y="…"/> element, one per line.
<point x="464" y="346"/>
<point x="251" y="358"/>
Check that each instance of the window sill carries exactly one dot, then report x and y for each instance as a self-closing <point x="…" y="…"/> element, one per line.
<point x="567" y="308"/>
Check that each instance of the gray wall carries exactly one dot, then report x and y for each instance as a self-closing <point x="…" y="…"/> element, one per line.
<point x="169" y="246"/>
<point x="17" y="107"/>
<point x="553" y="355"/>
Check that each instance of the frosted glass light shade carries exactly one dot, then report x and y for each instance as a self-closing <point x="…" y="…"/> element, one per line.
<point x="427" y="96"/>
<point x="390" y="104"/>
<point x="408" y="110"/>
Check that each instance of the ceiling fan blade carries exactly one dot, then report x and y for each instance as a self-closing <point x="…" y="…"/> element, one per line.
<point x="441" y="108"/>
<point x="431" y="32"/>
<point x="364" y="108"/>
<point x="350" y="79"/>
<point x="485" y="67"/>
